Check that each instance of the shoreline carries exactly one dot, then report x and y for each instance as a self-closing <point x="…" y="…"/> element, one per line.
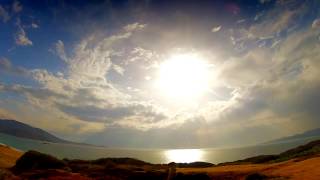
<point x="292" y="164"/>
<point x="214" y="156"/>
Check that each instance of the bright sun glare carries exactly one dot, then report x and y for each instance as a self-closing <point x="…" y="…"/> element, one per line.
<point x="183" y="76"/>
<point x="184" y="155"/>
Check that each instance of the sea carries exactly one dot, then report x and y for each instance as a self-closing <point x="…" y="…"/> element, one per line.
<point x="156" y="156"/>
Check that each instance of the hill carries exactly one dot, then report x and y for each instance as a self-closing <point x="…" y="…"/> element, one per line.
<point x="8" y="156"/>
<point x="304" y="135"/>
<point x="295" y="164"/>
<point x="19" y="129"/>
<point x="307" y="150"/>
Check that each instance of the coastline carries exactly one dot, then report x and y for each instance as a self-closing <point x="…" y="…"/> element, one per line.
<point x="293" y="164"/>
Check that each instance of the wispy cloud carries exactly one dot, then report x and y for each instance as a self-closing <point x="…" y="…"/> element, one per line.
<point x="16" y="6"/>
<point x="7" y="67"/>
<point x="4" y="15"/>
<point x="216" y="29"/>
<point x="34" y="25"/>
<point x="316" y="23"/>
<point x="134" y="26"/>
<point x="84" y="92"/>
<point x="21" y="37"/>
<point x="60" y="50"/>
<point x="5" y="114"/>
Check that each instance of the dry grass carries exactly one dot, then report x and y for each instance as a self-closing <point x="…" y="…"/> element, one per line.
<point x="8" y="156"/>
<point x="292" y="169"/>
<point x="306" y="169"/>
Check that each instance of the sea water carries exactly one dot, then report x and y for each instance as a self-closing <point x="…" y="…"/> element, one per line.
<point x="158" y="156"/>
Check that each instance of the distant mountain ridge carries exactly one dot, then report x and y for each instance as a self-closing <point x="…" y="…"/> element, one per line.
<point x="19" y="129"/>
<point x="306" y="134"/>
<point x="307" y="150"/>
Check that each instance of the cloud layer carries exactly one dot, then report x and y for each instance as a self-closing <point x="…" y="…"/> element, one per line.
<point x="266" y="78"/>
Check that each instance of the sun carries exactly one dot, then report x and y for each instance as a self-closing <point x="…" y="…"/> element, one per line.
<point x="183" y="76"/>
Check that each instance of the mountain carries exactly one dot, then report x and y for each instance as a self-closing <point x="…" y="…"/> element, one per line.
<point x="307" y="150"/>
<point x="304" y="135"/>
<point x="19" y="129"/>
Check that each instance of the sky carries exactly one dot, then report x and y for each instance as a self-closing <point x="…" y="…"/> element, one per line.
<point x="162" y="74"/>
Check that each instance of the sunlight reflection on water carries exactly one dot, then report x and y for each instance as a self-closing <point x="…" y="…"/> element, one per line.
<point x="184" y="155"/>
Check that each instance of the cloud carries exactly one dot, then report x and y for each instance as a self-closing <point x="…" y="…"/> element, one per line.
<point x="269" y="27"/>
<point x="37" y="93"/>
<point x="316" y="23"/>
<point x="216" y="29"/>
<point x="7" y="67"/>
<point x="4" y="15"/>
<point x="34" y="25"/>
<point x="16" y="6"/>
<point x="115" y="114"/>
<point x="84" y="92"/>
<point x="241" y="21"/>
<point x="273" y="24"/>
<point x="272" y="88"/>
<point x="173" y="136"/>
<point x="21" y="38"/>
<point x="5" y="114"/>
<point x="248" y="69"/>
<point x="296" y="67"/>
<point x="93" y="113"/>
<point x="5" y="64"/>
<point x="60" y="50"/>
<point x="142" y="57"/>
<point x="267" y="82"/>
<point x="120" y="70"/>
<point x="40" y="113"/>
<point x="134" y="26"/>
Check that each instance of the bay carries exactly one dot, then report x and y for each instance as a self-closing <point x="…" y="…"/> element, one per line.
<point x="157" y="156"/>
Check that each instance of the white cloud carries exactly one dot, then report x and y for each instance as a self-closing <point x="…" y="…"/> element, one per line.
<point x="21" y="38"/>
<point x="120" y="70"/>
<point x="263" y="84"/>
<point x="134" y="26"/>
<point x="84" y="92"/>
<point x="60" y="50"/>
<point x="216" y="29"/>
<point x="241" y="21"/>
<point x="248" y="69"/>
<point x="34" y="25"/>
<point x="142" y="57"/>
<point x="273" y="23"/>
<point x="316" y="23"/>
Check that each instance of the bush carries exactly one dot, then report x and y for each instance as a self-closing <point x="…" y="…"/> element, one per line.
<point x="256" y="176"/>
<point x="36" y="160"/>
